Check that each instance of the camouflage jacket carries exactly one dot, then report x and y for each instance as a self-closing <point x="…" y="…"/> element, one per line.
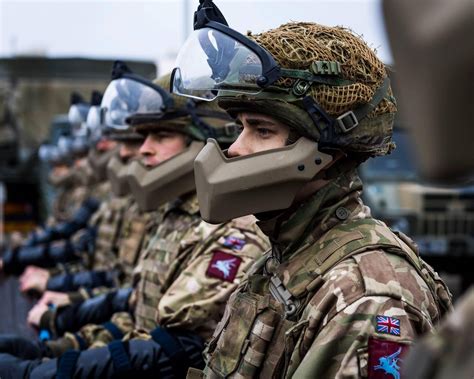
<point x="187" y="272"/>
<point x="339" y="296"/>
<point x="108" y="219"/>
<point x="449" y="352"/>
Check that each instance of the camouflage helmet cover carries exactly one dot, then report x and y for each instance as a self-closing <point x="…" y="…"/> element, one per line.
<point x="320" y="49"/>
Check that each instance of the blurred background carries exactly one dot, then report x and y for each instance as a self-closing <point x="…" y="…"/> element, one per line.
<point x="50" y="48"/>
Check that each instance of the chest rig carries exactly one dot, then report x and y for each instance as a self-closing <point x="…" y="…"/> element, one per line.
<point x="161" y="261"/>
<point x="135" y="230"/>
<point x="109" y="222"/>
<point x="262" y="324"/>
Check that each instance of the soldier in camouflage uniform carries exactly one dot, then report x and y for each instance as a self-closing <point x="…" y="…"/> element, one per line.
<point x="61" y="178"/>
<point x="449" y="351"/>
<point x="187" y="271"/>
<point x="120" y="227"/>
<point x="340" y="295"/>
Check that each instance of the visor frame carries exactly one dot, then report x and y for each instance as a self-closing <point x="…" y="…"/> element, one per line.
<point x="211" y="17"/>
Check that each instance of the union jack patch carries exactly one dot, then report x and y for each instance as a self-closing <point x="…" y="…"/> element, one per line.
<point x="388" y="325"/>
<point x="234" y="243"/>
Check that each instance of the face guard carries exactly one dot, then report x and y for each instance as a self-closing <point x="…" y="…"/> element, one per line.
<point x="67" y="180"/>
<point x="98" y="161"/>
<point x="117" y="172"/>
<point x="152" y="187"/>
<point x="261" y="182"/>
<point x="128" y="94"/>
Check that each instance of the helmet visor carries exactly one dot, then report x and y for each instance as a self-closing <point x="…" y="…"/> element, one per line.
<point x="48" y="153"/>
<point x="211" y="61"/>
<point x="124" y="97"/>
<point x="94" y="125"/>
<point x="78" y="113"/>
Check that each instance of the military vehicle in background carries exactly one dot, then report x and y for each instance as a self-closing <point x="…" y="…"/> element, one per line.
<point x="32" y="91"/>
<point x="439" y="219"/>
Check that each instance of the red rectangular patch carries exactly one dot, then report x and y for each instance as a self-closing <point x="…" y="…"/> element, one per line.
<point x="223" y="266"/>
<point x="385" y="358"/>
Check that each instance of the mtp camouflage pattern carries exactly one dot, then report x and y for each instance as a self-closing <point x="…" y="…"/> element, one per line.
<point x="175" y="289"/>
<point x="448" y="352"/>
<point x="314" y="315"/>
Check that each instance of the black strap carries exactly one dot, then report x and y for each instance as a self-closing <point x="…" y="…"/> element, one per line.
<point x="81" y="341"/>
<point x="119" y="356"/>
<point x="349" y="120"/>
<point x="67" y="364"/>
<point x="113" y="329"/>
<point x="172" y="348"/>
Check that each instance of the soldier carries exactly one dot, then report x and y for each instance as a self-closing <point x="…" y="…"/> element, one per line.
<point x="340" y="294"/>
<point x="187" y="271"/>
<point x="61" y="178"/>
<point x="447" y="352"/>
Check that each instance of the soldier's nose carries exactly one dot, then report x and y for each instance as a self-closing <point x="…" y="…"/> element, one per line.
<point x="146" y="149"/>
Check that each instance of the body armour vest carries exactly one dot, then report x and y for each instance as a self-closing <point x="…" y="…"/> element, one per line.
<point x="266" y="330"/>
<point x="137" y="228"/>
<point x="162" y="258"/>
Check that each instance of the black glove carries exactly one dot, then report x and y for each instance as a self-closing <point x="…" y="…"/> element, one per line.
<point x="145" y="358"/>
<point x="15" y="261"/>
<point x="22" y="347"/>
<point x="83" y="279"/>
<point x="66" y="229"/>
<point x="96" y="310"/>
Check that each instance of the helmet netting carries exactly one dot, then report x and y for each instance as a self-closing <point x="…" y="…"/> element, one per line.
<point x="298" y="45"/>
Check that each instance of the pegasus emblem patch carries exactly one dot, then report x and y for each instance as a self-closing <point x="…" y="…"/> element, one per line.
<point x="223" y="266"/>
<point x="390" y="364"/>
<point x="384" y="358"/>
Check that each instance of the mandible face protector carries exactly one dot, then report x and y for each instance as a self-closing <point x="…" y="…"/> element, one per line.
<point x="62" y="181"/>
<point x="117" y="174"/>
<point x="98" y="161"/>
<point x="152" y="187"/>
<point x="261" y="182"/>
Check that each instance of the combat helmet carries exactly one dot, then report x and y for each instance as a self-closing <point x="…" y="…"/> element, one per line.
<point x="325" y="83"/>
<point x="119" y="102"/>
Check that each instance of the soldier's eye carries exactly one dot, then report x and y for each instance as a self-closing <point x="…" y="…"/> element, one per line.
<point x="264" y="132"/>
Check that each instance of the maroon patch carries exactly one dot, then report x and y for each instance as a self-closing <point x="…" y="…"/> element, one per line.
<point x="223" y="266"/>
<point x="385" y="358"/>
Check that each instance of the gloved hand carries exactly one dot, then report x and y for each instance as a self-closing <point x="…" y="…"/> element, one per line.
<point x="22" y="347"/>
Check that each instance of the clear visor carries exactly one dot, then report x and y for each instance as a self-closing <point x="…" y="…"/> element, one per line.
<point x="124" y="97"/>
<point x="79" y="145"/>
<point x="49" y="153"/>
<point x="94" y="124"/>
<point x="64" y="145"/>
<point x="210" y="62"/>
<point x="78" y="113"/>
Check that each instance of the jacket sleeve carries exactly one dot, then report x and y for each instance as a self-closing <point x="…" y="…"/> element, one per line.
<point x="84" y="279"/>
<point x="66" y="229"/>
<point x="46" y="256"/>
<point x="363" y="319"/>
<point x="96" y="310"/>
<point x="147" y="358"/>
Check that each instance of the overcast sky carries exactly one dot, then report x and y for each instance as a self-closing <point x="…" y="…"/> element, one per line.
<point x="155" y="29"/>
